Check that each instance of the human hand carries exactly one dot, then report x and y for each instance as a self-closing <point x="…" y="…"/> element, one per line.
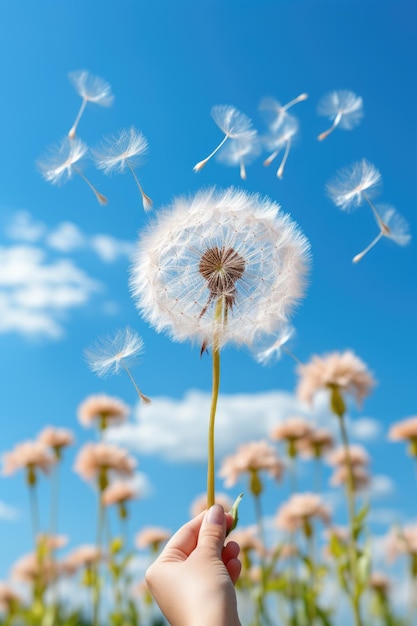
<point x="193" y="578"/>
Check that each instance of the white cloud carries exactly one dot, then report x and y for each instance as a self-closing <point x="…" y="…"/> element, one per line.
<point x="7" y="512"/>
<point x="23" y="227"/>
<point x="381" y="486"/>
<point x="365" y="429"/>
<point x="110" y="249"/>
<point x="36" y="293"/>
<point x="177" y="429"/>
<point x="66" y="237"/>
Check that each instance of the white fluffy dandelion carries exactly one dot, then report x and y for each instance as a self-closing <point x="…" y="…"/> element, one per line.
<point x="114" y="353"/>
<point x="273" y="351"/>
<point x="226" y="247"/>
<point x="91" y="89"/>
<point x="222" y="267"/>
<point x="275" y="112"/>
<point x="62" y="162"/>
<point x="343" y="107"/>
<point x="392" y="226"/>
<point x="240" y="152"/>
<point x="233" y="123"/>
<point x="122" y="151"/>
<point x="280" y="140"/>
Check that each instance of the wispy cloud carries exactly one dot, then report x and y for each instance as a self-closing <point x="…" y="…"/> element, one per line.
<point x="66" y="237"/>
<point x="8" y="513"/>
<point x="177" y="429"/>
<point x="36" y="292"/>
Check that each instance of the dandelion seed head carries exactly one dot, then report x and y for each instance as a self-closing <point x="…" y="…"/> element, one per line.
<point x="91" y="88"/>
<point x="115" y="151"/>
<point x="232" y="122"/>
<point x="58" y="166"/>
<point x="258" y="263"/>
<point x="111" y="353"/>
<point x="344" y="103"/>
<point x="347" y="187"/>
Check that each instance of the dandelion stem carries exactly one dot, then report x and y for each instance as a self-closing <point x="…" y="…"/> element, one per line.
<point x="213" y="407"/>
<point x="198" y="166"/>
<point x="73" y="129"/>
<point x="280" y="171"/>
<point x="381" y="224"/>
<point x="300" y="98"/>
<point x="271" y="157"/>
<point x="142" y="396"/>
<point x="146" y="200"/>
<point x="360" y="256"/>
<point x="327" y="132"/>
<point x="214" y="396"/>
<point x="102" y="199"/>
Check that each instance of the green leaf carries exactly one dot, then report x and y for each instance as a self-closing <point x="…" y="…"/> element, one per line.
<point x="234" y="513"/>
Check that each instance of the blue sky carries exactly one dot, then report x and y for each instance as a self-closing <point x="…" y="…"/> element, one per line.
<point x="168" y="64"/>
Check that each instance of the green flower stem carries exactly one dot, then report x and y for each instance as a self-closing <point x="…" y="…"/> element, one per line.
<point x="34" y="509"/>
<point x="213" y="407"/>
<point x="350" y="493"/>
<point x="97" y="582"/>
<point x="261" y="534"/>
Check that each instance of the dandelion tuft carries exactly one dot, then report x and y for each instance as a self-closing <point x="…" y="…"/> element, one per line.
<point x="239" y="153"/>
<point x="91" y="89"/>
<point x="275" y="113"/>
<point x="233" y="123"/>
<point x="124" y="151"/>
<point x="354" y="184"/>
<point x="114" y="353"/>
<point x="281" y="139"/>
<point x="343" y="107"/>
<point x="392" y="226"/>
<point x="61" y="163"/>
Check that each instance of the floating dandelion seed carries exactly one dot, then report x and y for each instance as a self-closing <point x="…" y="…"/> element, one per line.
<point x="274" y="350"/>
<point x="280" y="140"/>
<point x="91" y="89"/>
<point x="344" y="107"/>
<point x="392" y="225"/>
<point x="354" y="184"/>
<point x="275" y="113"/>
<point x="121" y="151"/>
<point x="233" y="123"/>
<point x="60" y="164"/>
<point x="240" y="152"/>
<point x="114" y="353"/>
<point x="222" y="267"/>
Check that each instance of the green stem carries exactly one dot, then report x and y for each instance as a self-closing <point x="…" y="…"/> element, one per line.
<point x="213" y="407"/>
<point x="34" y="515"/>
<point x="261" y="535"/>
<point x="350" y="493"/>
<point x="97" y="582"/>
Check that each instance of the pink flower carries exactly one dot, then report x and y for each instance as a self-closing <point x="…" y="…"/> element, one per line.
<point x="315" y="444"/>
<point x="30" y="569"/>
<point x="360" y="477"/>
<point x="247" y="539"/>
<point x="357" y="456"/>
<point x="94" y="458"/>
<point x="344" y="371"/>
<point x="299" y="509"/>
<point x="292" y="429"/>
<point x="118" y="493"/>
<point x="29" y="454"/>
<point x="103" y="410"/>
<point x="402" y="541"/>
<point x="56" y="438"/>
<point x="83" y="556"/>
<point x="8" y="598"/>
<point x="404" y="430"/>
<point x="152" y="537"/>
<point x="253" y="456"/>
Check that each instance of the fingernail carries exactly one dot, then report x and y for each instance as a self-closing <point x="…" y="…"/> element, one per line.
<point x="215" y="515"/>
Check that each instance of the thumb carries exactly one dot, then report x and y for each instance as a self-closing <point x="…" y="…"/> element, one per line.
<point x="213" y="530"/>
